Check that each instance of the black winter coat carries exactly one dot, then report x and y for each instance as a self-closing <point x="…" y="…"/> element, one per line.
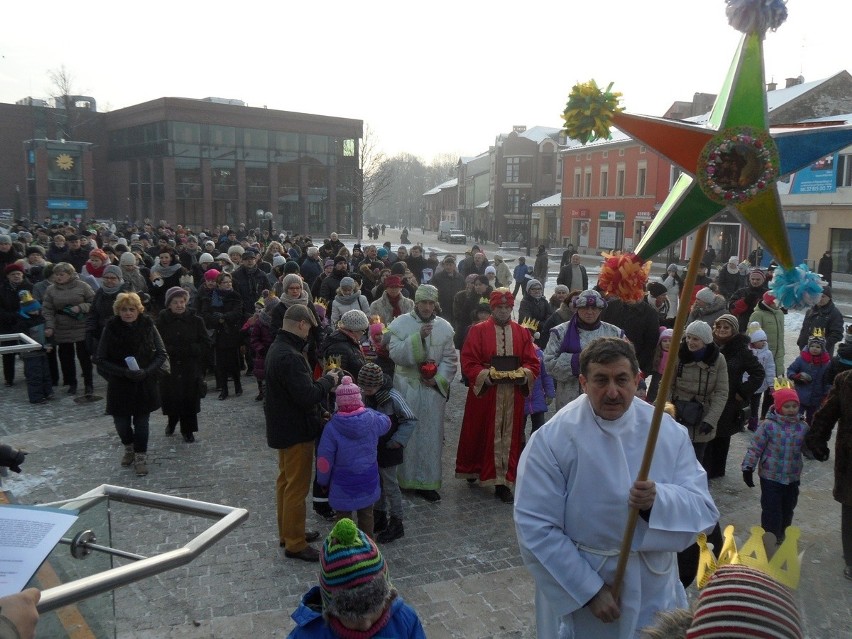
<point x="837" y="408"/>
<point x="739" y="359"/>
<point x="249" y="285"/>
<point x="141" y="340"/>
<point x="829" y="319"/>
<point x="341" y="346"/>
<point x="293" y="401"/>
<point x="226" y="320"/>
<point x="100" y="312"/>
<point x="186" y="340"/>
<point x="537" y="309"/>
<point x="10" y="304"/>
<point x="641" y="325"/>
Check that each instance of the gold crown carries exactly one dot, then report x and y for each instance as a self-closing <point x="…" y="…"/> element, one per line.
<point x="530" y="323"/>
<point x="484" y="300"/>
<point x="782" y="382"/>
<point x="818" y="333"/>
<point x="321" y="302"/>
<point x="332" y="362"/>
<point x="784" y="566"/>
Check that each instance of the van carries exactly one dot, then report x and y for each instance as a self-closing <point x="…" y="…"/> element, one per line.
<point x="444" y="228"/>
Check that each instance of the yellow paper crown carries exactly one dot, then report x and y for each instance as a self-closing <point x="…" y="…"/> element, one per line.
<point x="783" y="382"/>
<point x="530" y="323"/>
<point x="784" y="566"/>
<point x="321" y="302"/>
<point x="818" y="333"/>
<point x="332" y="362"/>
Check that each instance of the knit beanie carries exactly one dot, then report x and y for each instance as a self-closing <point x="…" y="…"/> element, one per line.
<point x="205" y="258"/>
<point x="730" y="319"/>
<point x="347" y="282"/>
<point x="327" y="263"/>
<point x="743" y="603"/>
<point x="657" y="288"/>
<point x="758" y="272"/>
<point x="561" y="288"/>
<point x="706" y="295"/>
<point x="382" y="253"/>
<point x="426" y="293"/>
<point x="355" y="320"/>
<point x="665" y="333"/>
<point x="348" y="396"/>
<point x="99" y="254"/>
<point x="701" y="330"/>
<point x="391" y="281"/>
<point x="278" y="260"/>
<point x="470" y="279"/>
<point x="586" y="299"/>
<point x="236" y="248"/>
<point x="291" y="267"/>
<point x="29" y="304"/>
<point x="534" y="283"/>
<point x="371" y="375"/>
<point x="174" y="291"/>
<point x="289" y="280"/>
<point x="353" y="574"/>
<point x="758" y="336"/>
<point x="490" y="270"/>
<point x="826" y="290"/>
<point x="814" y="339"/>
<point x="112" y="269"/>
<point x="211" y="275"/>
<point x="769" y="299"/>
<point x="782" y="396"/>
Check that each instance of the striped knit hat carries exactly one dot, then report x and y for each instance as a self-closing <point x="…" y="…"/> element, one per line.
<point x="743" y="603"/>
<point x="353" y="574"/>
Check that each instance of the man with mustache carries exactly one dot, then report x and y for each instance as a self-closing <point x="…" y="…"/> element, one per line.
<point x="576" y="484"/>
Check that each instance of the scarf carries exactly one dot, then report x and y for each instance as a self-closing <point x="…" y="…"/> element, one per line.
<point x="217" y="300"/>
<point x="348" y="299"/>
<point x="394" y="302"/>
<point x="95" y="272"/>
<point x="664" y="358"/>
<point x="302" y="299"/>
<point x="698" y="355"/>
<point x="820" y="360"/>
<point x="165" y="271"/>
<point x="112" y="290"/>
<point x="347" y="633"/>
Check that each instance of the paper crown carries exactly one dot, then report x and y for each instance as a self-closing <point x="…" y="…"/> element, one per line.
<point x="784" y="566"/>
<point x="530" y="323"/>
<point x="332" y="362"/>
<point x="818" y="333"/>
<point x="781" y="383"/>
<point x="321" y="302"/>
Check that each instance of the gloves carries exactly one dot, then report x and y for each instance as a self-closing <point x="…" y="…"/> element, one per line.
<point x="12" y="458"/>
<point x="135" y="375"/>
<point x="748" y="477"/>
<point x="705" y="428"/>
<point x="821" y="453"/>
<point x="739" y="307"/>
<point x="805" y="378"/>
<point x="548" y="400"/>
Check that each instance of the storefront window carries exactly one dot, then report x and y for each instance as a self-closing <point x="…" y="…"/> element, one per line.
<point x="841" y="250"/>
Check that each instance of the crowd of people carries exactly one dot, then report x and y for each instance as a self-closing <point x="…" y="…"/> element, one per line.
<point x="354" y="352"/>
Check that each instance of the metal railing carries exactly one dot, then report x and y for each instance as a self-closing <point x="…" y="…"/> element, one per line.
<point x="24" y="344"/>
<point x="80" y="589"/>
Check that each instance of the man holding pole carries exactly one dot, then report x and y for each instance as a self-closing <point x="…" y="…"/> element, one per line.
<point x="576" y="486"/>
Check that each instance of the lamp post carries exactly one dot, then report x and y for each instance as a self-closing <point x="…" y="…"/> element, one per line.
<point x="261" y="215"/>
<point x="526" y="208"/>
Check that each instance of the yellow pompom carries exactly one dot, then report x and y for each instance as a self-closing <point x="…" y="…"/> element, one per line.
<point x="588" y="113"/>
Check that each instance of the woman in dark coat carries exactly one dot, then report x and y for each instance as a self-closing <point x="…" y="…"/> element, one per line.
<point x="826" y="266"/>
<point x="740" y="361"/>
<point x="186" y="340"/>
<point x="101" y="310"/>
<point x="165" y="274"/>
<point x="222" y="312"/>
<point x="837" y="409"/>
<point x="131" y="394"/>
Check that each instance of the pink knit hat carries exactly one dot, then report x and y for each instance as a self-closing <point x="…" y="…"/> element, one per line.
<point x="211" y="275"/>
<point x="348" y="396"/>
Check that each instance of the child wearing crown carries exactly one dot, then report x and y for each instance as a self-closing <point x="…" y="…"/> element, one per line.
<point x="809" y="371"/>
<point x="776" y="451"/>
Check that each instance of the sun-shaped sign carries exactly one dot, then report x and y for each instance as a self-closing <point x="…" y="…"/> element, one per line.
<point x="64" y="161"/>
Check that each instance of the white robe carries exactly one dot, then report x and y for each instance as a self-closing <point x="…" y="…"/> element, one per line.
<point x="571" y="496"/>
<point x="421" y="468"/>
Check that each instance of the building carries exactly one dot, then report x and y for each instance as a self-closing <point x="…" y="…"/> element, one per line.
<point x="613" y="188"/>
<point x="440" y="205"/>
<point x="201" y="163"/>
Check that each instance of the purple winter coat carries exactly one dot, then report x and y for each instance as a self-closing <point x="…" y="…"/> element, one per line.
<point x="347" y="458"/>
<point x="542" y="387"/>
<point x="261" y="337"/>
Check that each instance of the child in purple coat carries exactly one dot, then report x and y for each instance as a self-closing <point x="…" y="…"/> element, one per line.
<point x="347" y="461"/>
<point x="261" y="335"/>
<point x="543" y="392"/>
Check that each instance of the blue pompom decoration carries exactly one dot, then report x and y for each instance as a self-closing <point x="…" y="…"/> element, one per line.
<point x="756" y="16"/>
<point x="797" y="287"/>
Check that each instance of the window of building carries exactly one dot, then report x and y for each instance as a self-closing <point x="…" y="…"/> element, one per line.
<point x="621" y="153"/>
<point x="642" y="149"/>
<point x="578" y="175"/>
<point x="604" y="181"/>
<point x="349" y="148"/>
<point x="513" y="170"/>
<point x="674" y="175"/>
<point x="641" y="178"/>
<point x="844" y="170"/>
<point x="513" y="201"/>
<point x="587" y="183"/>
<point x="316" y="144"/>
<point x="287" y="141"/>
<point x="547" y="162"/>
<point x="619" y="181"/>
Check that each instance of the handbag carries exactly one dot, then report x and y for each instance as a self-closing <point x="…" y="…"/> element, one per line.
<point x="689" y="412"/>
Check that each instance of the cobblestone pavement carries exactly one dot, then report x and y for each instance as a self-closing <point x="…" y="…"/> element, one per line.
<point x="458" y="563"/>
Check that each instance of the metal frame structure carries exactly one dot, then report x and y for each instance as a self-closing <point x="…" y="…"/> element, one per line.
<point x="228" y="518"/>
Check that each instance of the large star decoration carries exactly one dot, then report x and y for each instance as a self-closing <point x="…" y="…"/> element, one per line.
<point x="733" y="162"/>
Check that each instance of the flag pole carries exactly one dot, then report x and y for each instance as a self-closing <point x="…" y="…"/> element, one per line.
<point x="662" y="395"/>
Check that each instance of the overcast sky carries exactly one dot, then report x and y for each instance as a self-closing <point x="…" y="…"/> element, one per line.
<point x="428" y="77"/>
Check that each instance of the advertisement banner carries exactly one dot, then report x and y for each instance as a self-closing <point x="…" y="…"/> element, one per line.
<point x="819" y="177"/>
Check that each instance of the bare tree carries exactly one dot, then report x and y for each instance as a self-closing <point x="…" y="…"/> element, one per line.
<point x="62" y="90"/>
<point x="376" y="171"/>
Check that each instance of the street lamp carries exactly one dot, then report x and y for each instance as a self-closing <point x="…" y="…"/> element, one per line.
<point x="527" y="208"/>
<point x="261" y="215"/>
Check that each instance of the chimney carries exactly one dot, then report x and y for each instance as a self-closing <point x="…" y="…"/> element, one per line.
<point x="519" y="128"/>
<point x="791" y="82"/>
<point x="771" y="86"/>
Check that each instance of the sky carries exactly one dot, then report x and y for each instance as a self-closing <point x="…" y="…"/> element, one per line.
<point x="428" y="78"/>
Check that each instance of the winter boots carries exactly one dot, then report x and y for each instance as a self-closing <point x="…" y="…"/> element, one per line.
<point x="380" y="521"/>
<point x="752" y="424"/>
<point x="238" y="386"/>
<point x="141" y="464"/>
<point x="128" y="456"/>
<point x="259" y="397"/>
<point x="393" y="531"/>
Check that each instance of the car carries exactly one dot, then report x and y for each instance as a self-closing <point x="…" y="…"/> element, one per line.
<point x="457" y="237"/>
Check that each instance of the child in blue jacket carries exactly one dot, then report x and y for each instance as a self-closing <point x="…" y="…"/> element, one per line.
<point x="355" y="597"/>
<point x="809" y="371"/>
<point x="521" y="274"/>
<point x="543" y="392"/>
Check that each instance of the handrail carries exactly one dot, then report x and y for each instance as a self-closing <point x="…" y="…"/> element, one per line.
<point x="28" y="343"/>
<point x="85" y="587"/>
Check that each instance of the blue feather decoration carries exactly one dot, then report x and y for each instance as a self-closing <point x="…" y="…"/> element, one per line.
<point x="756" y="16"/>
<point x="797" y="287"/>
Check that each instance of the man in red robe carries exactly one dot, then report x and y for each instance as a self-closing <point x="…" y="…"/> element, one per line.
<point x="493" y="428"/>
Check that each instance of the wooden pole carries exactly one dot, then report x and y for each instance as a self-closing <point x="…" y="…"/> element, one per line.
<point x="662" y="395"/>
